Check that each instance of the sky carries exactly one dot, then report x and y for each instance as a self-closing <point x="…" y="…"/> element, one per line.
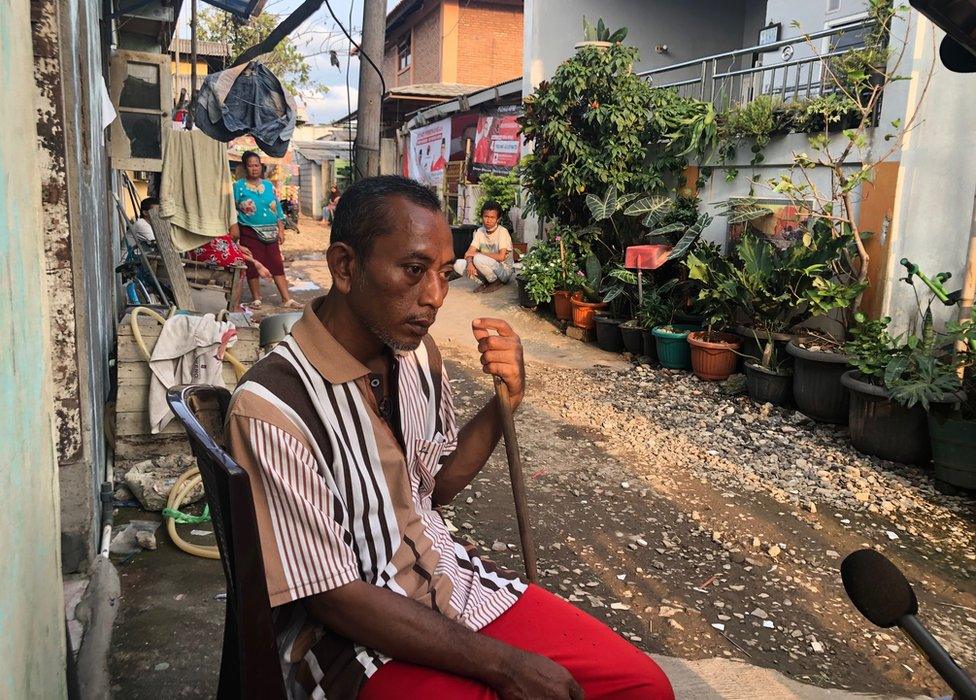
<point x="314" y="38"/>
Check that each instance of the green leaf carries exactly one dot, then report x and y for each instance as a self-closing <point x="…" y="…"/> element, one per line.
<point x="684" y="244"/>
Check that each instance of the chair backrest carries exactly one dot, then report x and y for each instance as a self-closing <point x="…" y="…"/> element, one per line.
<point x="249" y="631"/>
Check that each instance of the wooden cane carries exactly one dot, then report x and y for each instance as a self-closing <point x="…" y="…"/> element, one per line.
<point x="518" y="481"/>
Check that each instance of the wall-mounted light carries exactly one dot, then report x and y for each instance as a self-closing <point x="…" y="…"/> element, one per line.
<point x="661" y="48"/>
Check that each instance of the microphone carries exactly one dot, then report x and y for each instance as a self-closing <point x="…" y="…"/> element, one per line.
<point x="883" y="595"/>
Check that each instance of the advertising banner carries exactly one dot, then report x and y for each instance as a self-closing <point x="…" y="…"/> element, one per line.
<point x="497" y="143"/>
<point x="429" y="152"/>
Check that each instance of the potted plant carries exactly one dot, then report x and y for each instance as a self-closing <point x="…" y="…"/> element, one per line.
<point x="714" y="353"/>
<point x="778" y="285"/>
<point x="568" y="280"/>
<point x="599" y="36"/>
<point x="618" y="294"/>
<point x="671" y="343"/>
<point x="952" y="427"/>
<point x="539" y="275"/>
<point x="585" y="309"/>
<point x="894" y="382"/>
<point x="818" y="364"/>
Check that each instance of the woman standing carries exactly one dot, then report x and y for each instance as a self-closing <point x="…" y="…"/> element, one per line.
<point x="260" y="222"/>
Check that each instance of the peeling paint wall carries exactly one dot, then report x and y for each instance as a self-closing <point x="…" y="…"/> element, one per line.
<point x="31" y="607"/>
<point x="81" y="250"/>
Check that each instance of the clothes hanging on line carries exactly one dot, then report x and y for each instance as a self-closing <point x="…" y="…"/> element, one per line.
<point x="197" y="191"/>
<point x="247" y="99"/>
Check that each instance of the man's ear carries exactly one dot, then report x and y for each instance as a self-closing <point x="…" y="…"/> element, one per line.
<point x="343" y="265"/>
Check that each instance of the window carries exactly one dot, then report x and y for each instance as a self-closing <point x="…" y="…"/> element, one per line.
<point x="404" y="56"/>
<point x="141" y="89"/>
<point x="849" y="36"/>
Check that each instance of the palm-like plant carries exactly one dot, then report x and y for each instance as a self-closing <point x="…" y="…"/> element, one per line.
<point x="776" y="289"/>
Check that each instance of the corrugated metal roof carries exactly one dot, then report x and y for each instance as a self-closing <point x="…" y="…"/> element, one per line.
<point x="204" y="48"/>
<point x="445" y="90"/>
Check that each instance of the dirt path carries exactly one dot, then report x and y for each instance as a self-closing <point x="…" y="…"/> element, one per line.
<point x="698" y="561"/>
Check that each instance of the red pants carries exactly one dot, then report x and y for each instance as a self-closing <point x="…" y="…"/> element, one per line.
<point x="603" y="663"/>
<point x="268" y="254"/>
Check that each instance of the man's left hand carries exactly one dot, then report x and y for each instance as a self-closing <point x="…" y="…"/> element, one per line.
<point x="501" y="355"/>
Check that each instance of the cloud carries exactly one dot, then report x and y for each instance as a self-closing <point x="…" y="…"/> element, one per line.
<point x="331" y="106"/>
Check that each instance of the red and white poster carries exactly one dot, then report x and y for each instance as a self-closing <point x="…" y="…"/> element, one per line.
<point x="498" y="142"/>
<point x="430" y="149"/>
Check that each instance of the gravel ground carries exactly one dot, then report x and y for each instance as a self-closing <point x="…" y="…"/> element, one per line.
<point x="702" y="525"/>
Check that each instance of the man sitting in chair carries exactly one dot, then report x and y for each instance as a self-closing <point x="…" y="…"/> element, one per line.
<point x="348" y="434"/>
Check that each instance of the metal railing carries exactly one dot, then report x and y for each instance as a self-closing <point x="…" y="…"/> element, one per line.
<point x="738" y="77"/>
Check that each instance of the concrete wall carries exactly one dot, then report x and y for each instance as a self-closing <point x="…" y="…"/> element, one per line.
<point x="689" y="29"/>
<point x="32" y="649"/>
<point x="936" y="186"/>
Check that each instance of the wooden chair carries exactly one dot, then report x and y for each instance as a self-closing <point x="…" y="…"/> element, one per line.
<point x="249" y="664"/>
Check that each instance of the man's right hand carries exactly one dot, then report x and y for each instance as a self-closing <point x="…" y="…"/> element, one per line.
<point x="535" y="677"/>
<point x="471" y="270"/>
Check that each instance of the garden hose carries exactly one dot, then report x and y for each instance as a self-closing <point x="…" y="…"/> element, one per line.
<point x="189" y="479"/>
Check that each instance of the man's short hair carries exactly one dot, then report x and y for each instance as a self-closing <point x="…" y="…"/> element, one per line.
<point x="364" y="211"/>
<point x="491" y="205"/>
<point x="147" y="204"/>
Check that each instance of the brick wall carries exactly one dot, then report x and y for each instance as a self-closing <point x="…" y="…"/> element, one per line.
<point x="390" y="65"/>
<point x="489" y="43"/>
<point x="427" y="47"/>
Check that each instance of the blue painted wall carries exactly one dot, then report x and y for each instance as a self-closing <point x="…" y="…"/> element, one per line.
<point x="31" y="607"/>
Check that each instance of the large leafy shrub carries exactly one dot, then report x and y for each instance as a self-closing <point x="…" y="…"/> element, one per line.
<point x="501" y="188"/>
<point x="589" y="130"/>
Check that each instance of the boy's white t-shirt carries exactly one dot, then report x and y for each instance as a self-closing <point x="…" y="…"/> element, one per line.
<point x="497" y="240"/>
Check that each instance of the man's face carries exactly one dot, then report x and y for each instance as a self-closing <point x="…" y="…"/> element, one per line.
<point x="253" y="168"/>
<point x="489" y="218"/>
<point x="405" y="277"/>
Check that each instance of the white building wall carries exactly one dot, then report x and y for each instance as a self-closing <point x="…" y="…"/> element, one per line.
<point x="937" y="183"/>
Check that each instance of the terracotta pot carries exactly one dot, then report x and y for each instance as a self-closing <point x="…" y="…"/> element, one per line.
<point x="713" y="355"/>
<point x="562" y="304"/>
<point x="584" y="312"/>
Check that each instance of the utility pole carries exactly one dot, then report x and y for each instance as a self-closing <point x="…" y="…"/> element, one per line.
<point x="370" y="90"/>
<point x="193" y="64"/>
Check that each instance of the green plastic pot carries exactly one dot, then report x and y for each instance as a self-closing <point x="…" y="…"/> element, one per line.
<point x="673" y="350"/>
<point x="954" y="451"/>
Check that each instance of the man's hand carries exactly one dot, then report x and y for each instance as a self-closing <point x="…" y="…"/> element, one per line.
<point x="534" y="677"/>
<point x="501" y="355"/>
<point x="471" y="271"/>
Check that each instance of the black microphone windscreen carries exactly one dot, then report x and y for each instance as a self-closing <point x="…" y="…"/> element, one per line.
<point x="877" y="588"/>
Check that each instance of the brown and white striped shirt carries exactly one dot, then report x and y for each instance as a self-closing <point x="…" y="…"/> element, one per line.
<point x="342" y="494"/>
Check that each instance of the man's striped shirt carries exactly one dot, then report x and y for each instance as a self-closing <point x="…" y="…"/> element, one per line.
<point x="342" y="494"/>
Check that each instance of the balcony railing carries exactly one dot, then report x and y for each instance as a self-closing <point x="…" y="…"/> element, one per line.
<point x="737" y="77"/>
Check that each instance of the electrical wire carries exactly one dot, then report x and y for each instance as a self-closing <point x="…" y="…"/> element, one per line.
<point x="358" y="47"/>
